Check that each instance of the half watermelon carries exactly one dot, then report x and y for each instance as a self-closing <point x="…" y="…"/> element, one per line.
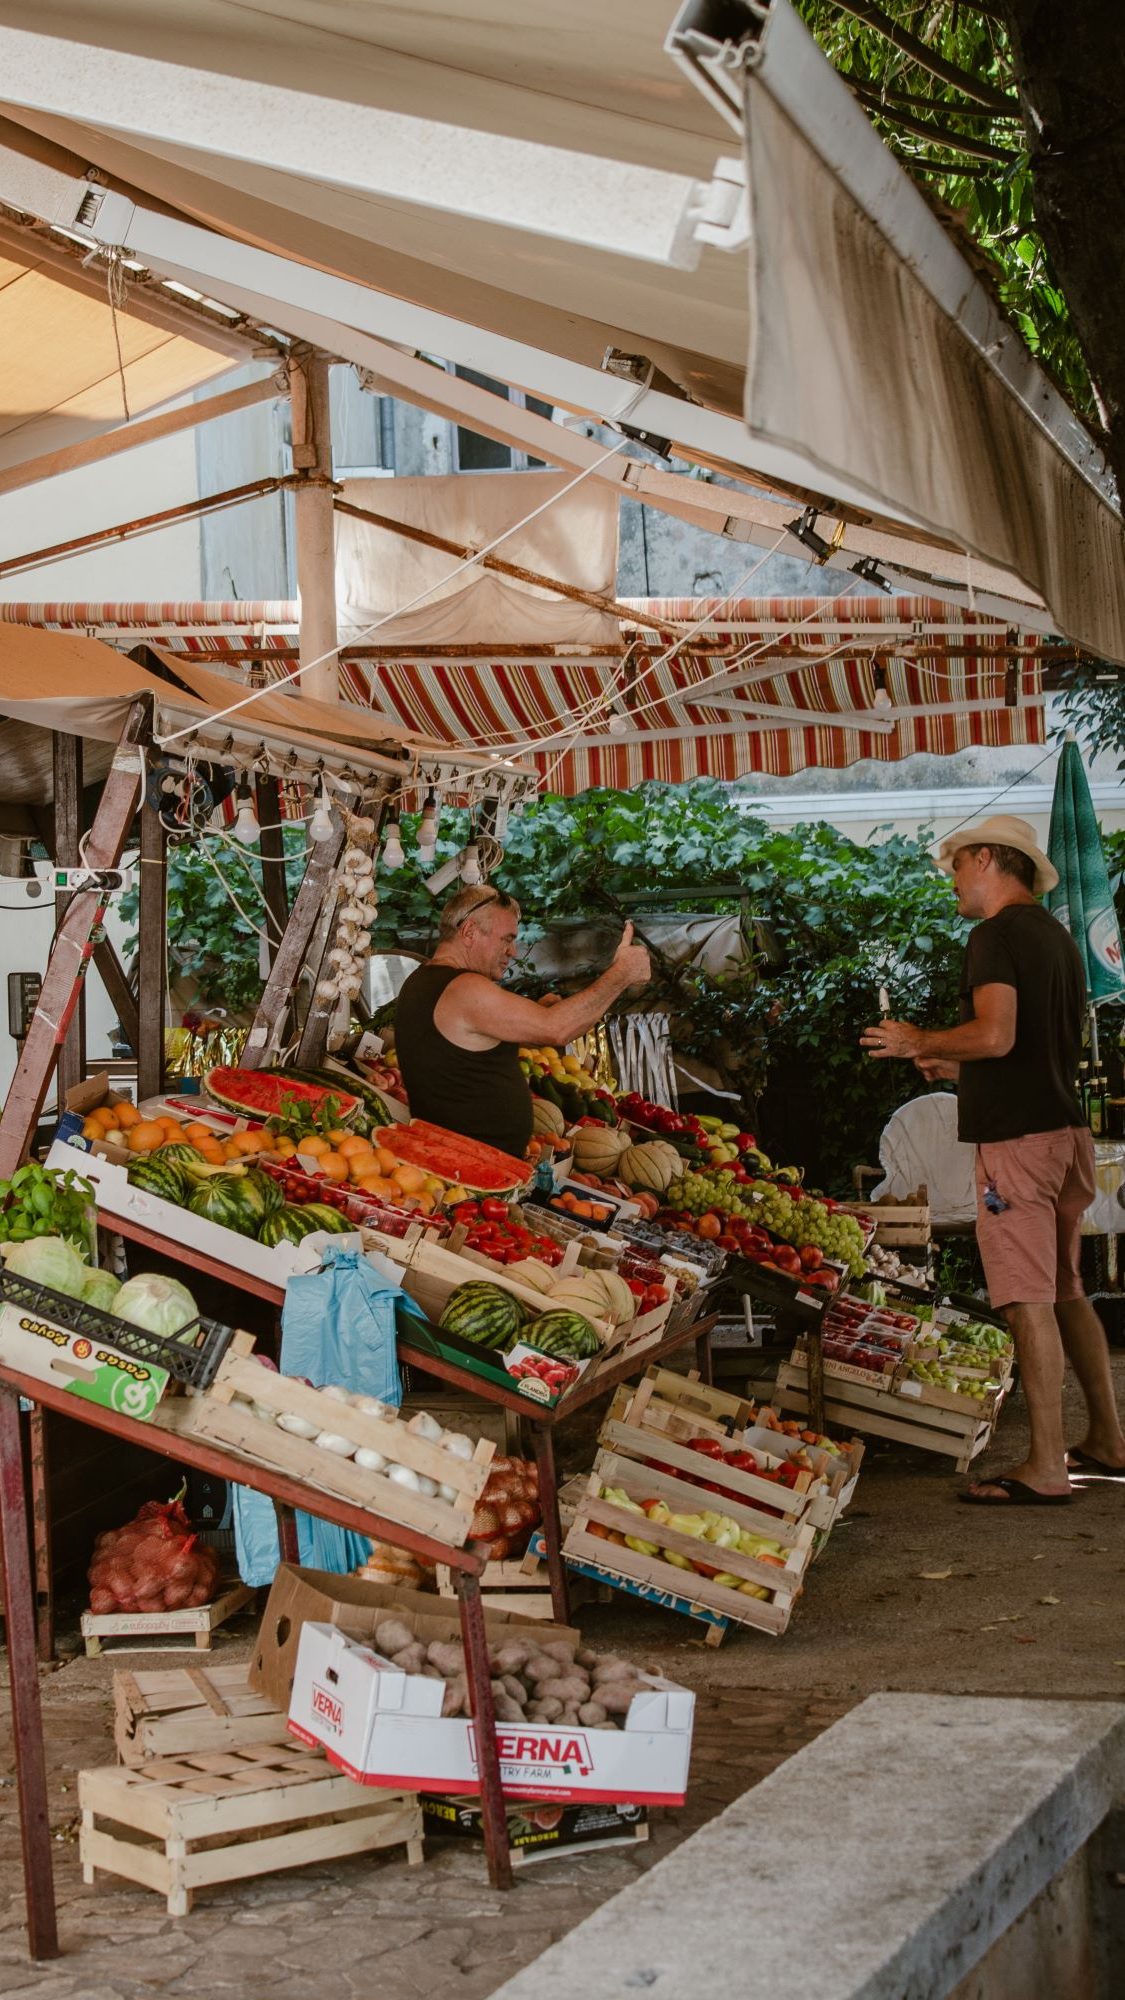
<point x="267" y="1093"/>
<point x="466" y="1162"/>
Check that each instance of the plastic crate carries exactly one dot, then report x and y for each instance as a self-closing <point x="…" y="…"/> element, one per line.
<point x="192" y="1355"/>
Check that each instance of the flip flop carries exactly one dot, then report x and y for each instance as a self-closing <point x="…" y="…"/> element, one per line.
<point x="1019" y="1494"/>
<point x="1084" y="1467"/>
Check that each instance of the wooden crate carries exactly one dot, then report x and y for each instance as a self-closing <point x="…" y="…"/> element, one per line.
<point x="197" y="1623"/>
<point x="509" y="1586"/>
<point x="898" y="1225"/>
<point x="615" y="1563"/>
<point x="186" y="1709"/>
<point x="954" y="1433"/>
<point x="655" y="1420"/>
<point x="224" y="1413"/>
<point x="178" y="1824"/>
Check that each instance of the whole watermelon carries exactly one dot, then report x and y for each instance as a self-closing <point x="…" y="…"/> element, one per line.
<point x="565" y="1334"/>
<point x="188" y="1160"/>
<point x="333" y="1220"/>
<point x="288" y="1224"/>
<point x="224" y="1199"/>
<point x="266" y="1190"/>
<point x="160" y="1177"/>
<point x="483" y="1313"/>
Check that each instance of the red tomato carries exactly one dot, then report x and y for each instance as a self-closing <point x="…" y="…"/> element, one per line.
<point x="494" y="1211"/>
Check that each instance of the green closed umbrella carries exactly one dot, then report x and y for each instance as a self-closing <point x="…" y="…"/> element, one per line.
<point x="1082" y="899"/>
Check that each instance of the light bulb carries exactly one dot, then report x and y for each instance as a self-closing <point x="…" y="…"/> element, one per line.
<point x="470" y="864"/>
<point x="393" y="855"/>
<point x="428" y="829"/>
<point x="320" y="825"/>
<point x="246" y="828"/>
<point x="618" y="725"/>
<point x="882" y="699"/>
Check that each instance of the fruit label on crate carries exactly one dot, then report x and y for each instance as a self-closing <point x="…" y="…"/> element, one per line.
<point x="88" y="1368"/>
<point x="532" y="1755"/>
<point x="951" y="1316"/>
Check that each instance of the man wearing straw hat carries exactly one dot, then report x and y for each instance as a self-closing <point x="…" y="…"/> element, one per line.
<point x="1015" y="1059"/>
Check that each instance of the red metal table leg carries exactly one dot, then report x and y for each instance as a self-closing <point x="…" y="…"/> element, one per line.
<point x="27" y="1718"/>
<point x="287" y="1532"/>
<point x="552" y="1531"/>
<point x="479" y="1674"/>
<point x="41" y="1531"/>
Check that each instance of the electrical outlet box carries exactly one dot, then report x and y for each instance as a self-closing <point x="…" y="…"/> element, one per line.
<point x="78" y="881"/>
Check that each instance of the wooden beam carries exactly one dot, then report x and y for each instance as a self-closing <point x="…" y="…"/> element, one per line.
<point x="73" y="946"/>
<point x="267" y="1029"/>
<point x="271" y="847"/>
<point x="67" y="786"/>
<point x="128" y="436"/>
<point x="314" y="1033"/>
<point x="122" y="998"/>
<point x="27" y="1719"/>
<point x="153" y="955"/>
<point x="188" y="510"/>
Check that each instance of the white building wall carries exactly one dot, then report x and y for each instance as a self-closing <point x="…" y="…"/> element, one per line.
<point x="165" y="564"/>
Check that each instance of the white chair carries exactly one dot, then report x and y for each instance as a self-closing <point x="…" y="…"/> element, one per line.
<point x="919" y="1147"/>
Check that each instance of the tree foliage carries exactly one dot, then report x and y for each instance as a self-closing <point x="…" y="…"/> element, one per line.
<point x="938" y="81"/>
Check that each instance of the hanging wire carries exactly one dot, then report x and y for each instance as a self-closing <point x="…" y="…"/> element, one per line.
<point x="117" y="286"/>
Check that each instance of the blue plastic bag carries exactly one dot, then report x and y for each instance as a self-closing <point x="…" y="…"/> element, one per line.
<point x="337" y="1325"/>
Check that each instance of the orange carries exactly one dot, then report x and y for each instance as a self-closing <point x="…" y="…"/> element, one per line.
<point x="315" y="1145"/>
<point x="332" y="1167"/>
<point x="127" y="1115"/>
<point x="196" y="1130"/>
<point x="170" y="1124"/>
<point x="377" y="1184"/>
<point x="387" y="1160"/>
<point x="352" y="1143"/>
<point x="336" y="1135"/>
<point x="92" y="1128"/>
<point x="244" y="1142"/>
<point x="106" y="1117"/>
<point x="409" y="1178"/>
<point x="146" y="1135"/>
<point x="211" y="1150"/>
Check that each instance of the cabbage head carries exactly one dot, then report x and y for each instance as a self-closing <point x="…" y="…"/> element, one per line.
<point x="48" y="1260"/>
<point x="101" y="1289"/>
<point x="157" y="1304"/>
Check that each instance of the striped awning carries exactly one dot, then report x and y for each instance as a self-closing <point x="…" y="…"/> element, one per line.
<point x="771" y="685"/>
<point x="775" y="685"/>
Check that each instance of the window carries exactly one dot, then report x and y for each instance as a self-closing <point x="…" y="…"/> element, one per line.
<point x="473" y="453"/>
<point x="362" y="429"/>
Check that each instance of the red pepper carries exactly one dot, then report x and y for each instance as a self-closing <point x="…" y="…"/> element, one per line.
<point x="466" y="1211"/>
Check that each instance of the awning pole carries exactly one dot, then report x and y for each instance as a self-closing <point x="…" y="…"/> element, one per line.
<point x="314" y="523"/>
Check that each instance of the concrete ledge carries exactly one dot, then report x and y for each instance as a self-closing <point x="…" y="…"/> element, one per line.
<point x="879" y="1863"/>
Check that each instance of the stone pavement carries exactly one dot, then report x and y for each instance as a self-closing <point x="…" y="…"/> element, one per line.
<point x="355" y="1927"/>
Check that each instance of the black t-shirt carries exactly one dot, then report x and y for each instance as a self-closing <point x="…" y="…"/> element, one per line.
<point x="480" y="1092"/>
<point x="1031" y="1089"/>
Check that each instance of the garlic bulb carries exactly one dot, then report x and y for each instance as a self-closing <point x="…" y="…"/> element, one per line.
<point x="332" y="1441"/>
<point x="425" y="1426"/>
<point x="337" y="1394"/>
<point x="457" y="1444"/>
<point x="402" y="1475"/>
<point x="427" y="1487"/>
<point x="446" y="1493"/>
<point x="371" y="1461"/>
<point x="263" y="1415"/>
<point x="327" y="989"/>
<point x="299" y="1426"/>
<point x="372" y="1407"/>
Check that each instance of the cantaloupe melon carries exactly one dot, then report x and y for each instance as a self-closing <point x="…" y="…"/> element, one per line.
<point x="654" y="1165"/>
<point x="547" y="1120"/>
<point x="597" y="1149"/>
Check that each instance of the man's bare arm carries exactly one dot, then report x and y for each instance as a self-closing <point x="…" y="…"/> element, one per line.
<point x="990" y="1033"/>
<point x="476" y="1005"/>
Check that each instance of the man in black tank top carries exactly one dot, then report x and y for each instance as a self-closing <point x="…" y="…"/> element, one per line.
<point x="458" y="1031"/>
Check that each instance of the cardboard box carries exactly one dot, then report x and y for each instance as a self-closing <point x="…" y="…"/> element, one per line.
<point x="89" y="1369"/>
<point x="539" y="1833"/>
<point x="116" y="1196"/>
<point x="297" y="1595"/>
<point x="383" y="1727"/>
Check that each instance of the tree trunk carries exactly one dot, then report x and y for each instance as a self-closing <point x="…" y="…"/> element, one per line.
<point x="1069" y="65"/>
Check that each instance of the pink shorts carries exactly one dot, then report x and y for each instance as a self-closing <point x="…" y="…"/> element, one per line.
<point x="1030" y="1250"/>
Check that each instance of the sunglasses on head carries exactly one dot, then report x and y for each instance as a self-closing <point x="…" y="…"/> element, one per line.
<point x="487" y="895"/>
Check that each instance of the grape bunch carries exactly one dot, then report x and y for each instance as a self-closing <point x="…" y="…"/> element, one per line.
<point x="797" y="1220"/>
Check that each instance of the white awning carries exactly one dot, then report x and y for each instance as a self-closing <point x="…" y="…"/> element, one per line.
<point x="520" y="189"/>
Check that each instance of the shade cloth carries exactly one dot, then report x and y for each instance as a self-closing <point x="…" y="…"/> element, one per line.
<point x="1082" y="899"/>
<point x="931" y="437"/>
<point x="574" y="539"/>
<point x="72" y="366"/>
<point x="853" y="363"/>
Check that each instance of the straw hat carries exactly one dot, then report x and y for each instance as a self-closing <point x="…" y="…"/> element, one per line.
<point x="1003" y="830"/>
